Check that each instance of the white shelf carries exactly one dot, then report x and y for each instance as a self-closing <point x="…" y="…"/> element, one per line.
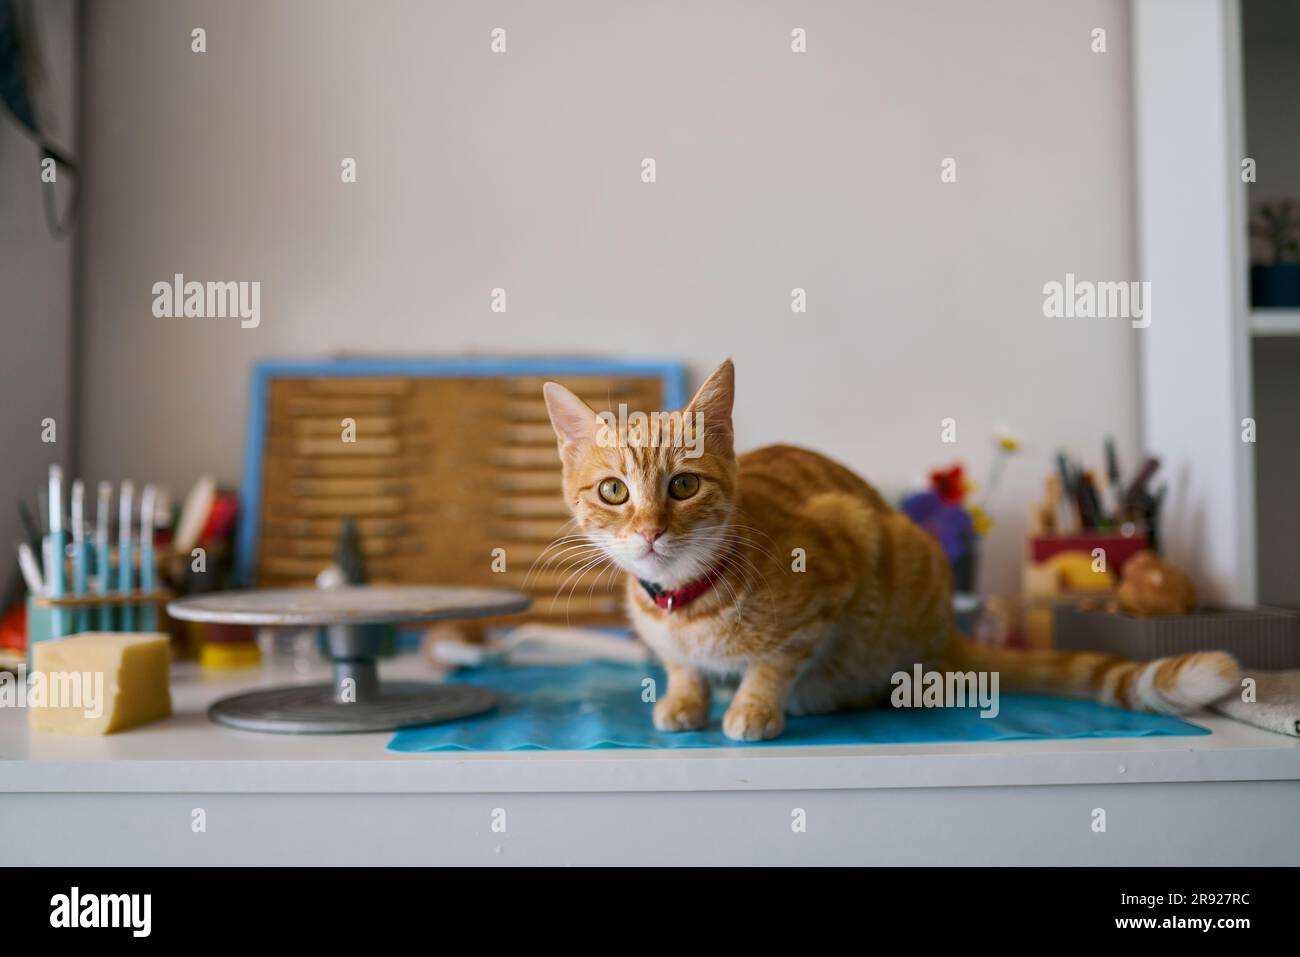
<point x="1275" y="322"/>
<point x="275" y="799"/>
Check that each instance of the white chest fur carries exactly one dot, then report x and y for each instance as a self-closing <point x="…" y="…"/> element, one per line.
<point x="704" y="642"/>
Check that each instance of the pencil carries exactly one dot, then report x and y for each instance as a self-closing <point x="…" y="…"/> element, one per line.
<point x="148" y="613"/>
<point x="103" y="566"/>
<point x="124" y="561"/>
<point x="1071" y="517"/>
<point x="1115" y="490"/>
<point x="31" y="569"/>
<point x="78" y="552"/>
<point x="54" y="573"/>
<point x="31" y="527"/>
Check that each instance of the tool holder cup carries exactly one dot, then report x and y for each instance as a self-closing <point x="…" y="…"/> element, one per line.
<point x="49" y="618"/>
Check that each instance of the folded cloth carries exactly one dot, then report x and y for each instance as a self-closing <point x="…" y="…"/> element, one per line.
<point x="1275" y="704"/>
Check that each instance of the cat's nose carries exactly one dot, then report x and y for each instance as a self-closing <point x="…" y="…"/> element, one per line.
<point x="652" y="535"/>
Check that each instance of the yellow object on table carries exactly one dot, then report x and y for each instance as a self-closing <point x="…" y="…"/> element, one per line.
<point x="229" y="654"/>
<point x="99" y="682"/>
<point x="1079" y="571"/>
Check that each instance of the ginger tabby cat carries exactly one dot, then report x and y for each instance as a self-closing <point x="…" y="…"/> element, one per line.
<point x="707" y="539"/>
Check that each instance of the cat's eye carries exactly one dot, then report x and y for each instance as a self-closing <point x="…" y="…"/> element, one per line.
<point x="683" y="486"/>
<point x="612" y="491"/>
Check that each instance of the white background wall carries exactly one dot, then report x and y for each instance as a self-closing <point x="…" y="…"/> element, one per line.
<point x="775" y="170"/>
<point x="36" y="287"/>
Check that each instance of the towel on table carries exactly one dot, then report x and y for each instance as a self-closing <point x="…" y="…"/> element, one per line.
<point x="604" y="705"/>
<point x="1276" y="706"/>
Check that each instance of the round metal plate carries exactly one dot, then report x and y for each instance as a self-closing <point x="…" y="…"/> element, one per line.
<point x="355" y="605"/>
<point x="311" y="709"/>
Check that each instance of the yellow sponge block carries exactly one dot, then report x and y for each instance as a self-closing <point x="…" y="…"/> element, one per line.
<point x="99" y="682"/>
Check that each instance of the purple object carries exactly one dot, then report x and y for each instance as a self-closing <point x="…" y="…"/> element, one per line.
<point x="949" y="524"/>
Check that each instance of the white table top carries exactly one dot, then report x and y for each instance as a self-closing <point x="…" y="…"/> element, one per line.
<point x="188" y="753"/>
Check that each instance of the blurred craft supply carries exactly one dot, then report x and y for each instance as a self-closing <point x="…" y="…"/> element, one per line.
<point x="201" y="550"/>
<point x="125" y="561"/>
<point x="1153" y="586"/>
<point x="31" y="528"/>
<point x="148" y="571"/>
<point x="228" y="647"/>
<point x="1080" y="499"/>
<point x="103" y="562"/>
<point x="956" y="523"/>
<point x="47" y="558"/>
<point x="1063" y="488"/>
<point x="195" y="513"/>
<point x="1071" y="569"/>
<point x="1082" y="534"/>
<point x="54" y="570"/>
<point x="1137" y="489"/>
<point x="79" y="557"/>
<point x="534" y="643"/>
<point x="1113" y="503"/>
<point x="53" y="610"/>
<point x="31" y="569"/>
<point x="200" y="559"/>
<point x="13" y="638"/>
<point x="1000" y="622"/>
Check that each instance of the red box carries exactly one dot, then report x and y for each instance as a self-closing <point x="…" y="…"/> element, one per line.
<point x="1119" y="548"/>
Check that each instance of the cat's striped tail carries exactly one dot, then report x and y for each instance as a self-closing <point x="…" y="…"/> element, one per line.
<point x="1168" y="685"/>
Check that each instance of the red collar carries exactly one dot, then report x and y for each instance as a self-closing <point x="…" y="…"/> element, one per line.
<point x="671" y="599"/>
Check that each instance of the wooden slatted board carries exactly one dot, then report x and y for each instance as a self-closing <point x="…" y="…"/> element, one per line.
<point x="443" y="470"/>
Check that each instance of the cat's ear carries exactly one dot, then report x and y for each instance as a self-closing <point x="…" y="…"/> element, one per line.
<point x="713" y="403"/>
<point x="574" y="421"/>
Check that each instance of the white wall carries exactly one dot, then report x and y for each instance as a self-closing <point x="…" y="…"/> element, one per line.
<point x="36" y="289"/>
<point x="775" y="170"/>
<point x="1195" y="359"/>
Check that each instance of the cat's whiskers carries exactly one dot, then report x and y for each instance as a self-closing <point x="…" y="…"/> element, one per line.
<point x="611" y="568"/>
<point x="578" y="558"/>
<point x="735" y="544"/>
<point x="578" y="581"/>
<point x="590" y="563"/>
<point x="566" y="540"/>
<point x="731" y="528"/>
<point x="558" y="555"/>
<point x="740" y="511"/>
<point x="744" y="568"/>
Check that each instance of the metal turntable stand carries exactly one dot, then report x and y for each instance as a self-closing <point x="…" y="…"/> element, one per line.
<point x="354" y="620"/>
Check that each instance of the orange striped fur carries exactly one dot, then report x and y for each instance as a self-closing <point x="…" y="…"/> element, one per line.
<point x="872" y="597"/>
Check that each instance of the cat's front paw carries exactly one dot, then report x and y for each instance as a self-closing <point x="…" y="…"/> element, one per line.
<point x="751" y="720"/>
<point x="681" y="713"/>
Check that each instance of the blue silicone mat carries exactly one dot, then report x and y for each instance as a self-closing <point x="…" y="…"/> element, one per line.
<point x="599" y="705"/>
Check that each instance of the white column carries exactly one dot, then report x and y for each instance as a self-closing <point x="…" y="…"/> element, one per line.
<point x="1192" y="248"/>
